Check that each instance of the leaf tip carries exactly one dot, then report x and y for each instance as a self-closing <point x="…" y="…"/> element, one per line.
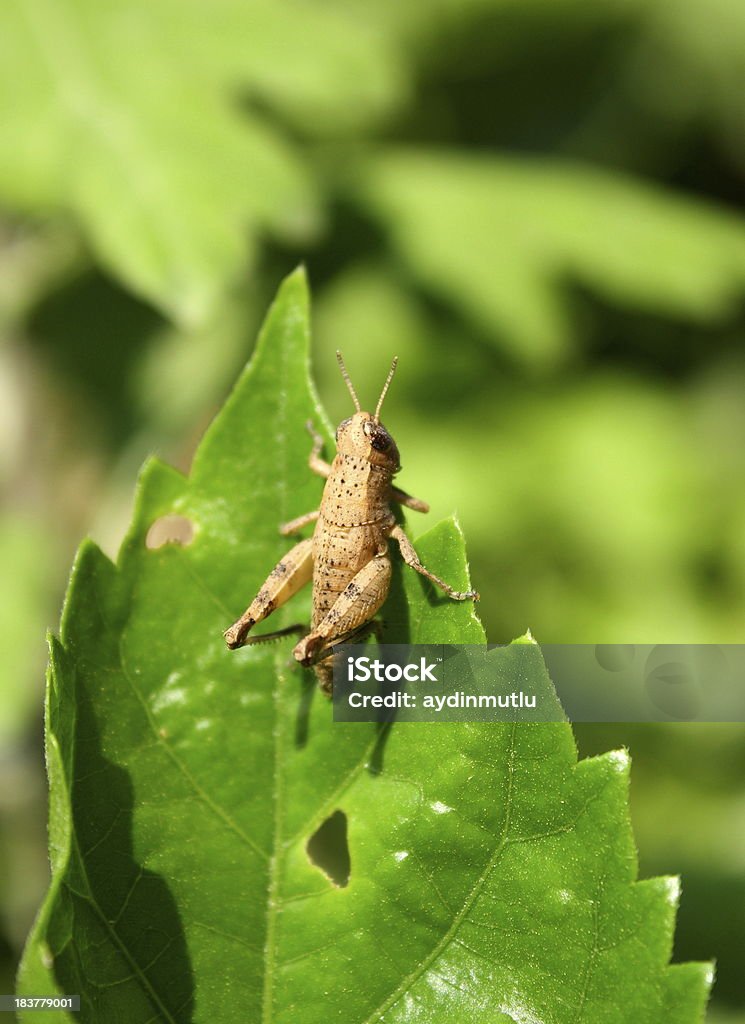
<point x="89" y="561"/>
<point x="296" y="283"/>
<point x="672" y="887"/>
<point x="451" y="524"/>
<point x="526" y="638"/>
<point x="619" y="760"/>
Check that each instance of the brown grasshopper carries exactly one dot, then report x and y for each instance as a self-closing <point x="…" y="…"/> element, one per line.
<point x="347" y="557"/>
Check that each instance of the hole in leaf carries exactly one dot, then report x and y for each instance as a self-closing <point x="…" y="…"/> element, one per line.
<point x="328" y="849"/>
<point x="170" y="530"/>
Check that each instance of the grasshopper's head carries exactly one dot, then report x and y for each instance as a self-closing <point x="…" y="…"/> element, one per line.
<point x="363" y="435"/>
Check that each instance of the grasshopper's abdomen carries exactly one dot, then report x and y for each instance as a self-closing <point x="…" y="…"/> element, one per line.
<point x="354" y="520"/>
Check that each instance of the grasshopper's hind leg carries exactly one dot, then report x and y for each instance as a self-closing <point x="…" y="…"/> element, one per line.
<point x="285" y="579"/>
<point x="353" y="608"/>
<point x="323" y="663"/>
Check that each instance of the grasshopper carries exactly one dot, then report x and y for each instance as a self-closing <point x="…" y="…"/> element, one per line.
<point x="347" y="557"/>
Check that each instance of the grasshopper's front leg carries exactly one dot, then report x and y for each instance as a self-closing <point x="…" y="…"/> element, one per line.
<point x="285" y="579"/>
<point x="316" y="463"/>
<point x="297" y="524"/>
<point x="409" y="500"/>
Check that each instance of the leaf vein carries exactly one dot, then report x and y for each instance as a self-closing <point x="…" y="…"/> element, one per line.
<point x="478" y="885"/>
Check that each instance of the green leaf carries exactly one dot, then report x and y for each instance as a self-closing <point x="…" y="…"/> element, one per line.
<point x="500" y="236"/>
<point x="127" y="116"/>
<point x="491" y="877"/>
<point x="315" y="66"/>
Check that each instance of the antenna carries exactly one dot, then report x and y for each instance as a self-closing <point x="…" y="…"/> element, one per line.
<point x="388" y="380"/>
<point x="347" y="380"/>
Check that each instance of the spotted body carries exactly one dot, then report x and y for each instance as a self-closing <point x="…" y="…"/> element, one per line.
<point x="348" y="556"/>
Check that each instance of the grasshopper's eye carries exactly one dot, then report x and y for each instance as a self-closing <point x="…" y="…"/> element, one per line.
<point x="381" y="440"/>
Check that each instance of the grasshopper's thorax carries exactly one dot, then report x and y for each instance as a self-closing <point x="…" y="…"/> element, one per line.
<point x="358" y="489"/>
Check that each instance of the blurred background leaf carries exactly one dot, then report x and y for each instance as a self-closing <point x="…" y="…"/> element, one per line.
<point x="501" y="237"/>
<point x="537" y="203"/>
<point x="129" y="117"/>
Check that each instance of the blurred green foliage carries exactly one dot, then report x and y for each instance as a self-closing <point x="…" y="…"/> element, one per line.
<point x="537" y="204"/>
